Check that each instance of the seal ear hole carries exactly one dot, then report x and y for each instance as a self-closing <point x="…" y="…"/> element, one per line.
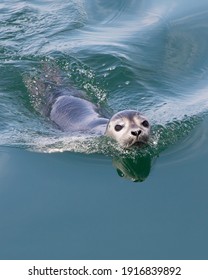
<point x="145" y="123"/>
<point x="118" y="127"/>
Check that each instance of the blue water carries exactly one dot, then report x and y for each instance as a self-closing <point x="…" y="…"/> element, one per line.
<point x="82" y="197"/>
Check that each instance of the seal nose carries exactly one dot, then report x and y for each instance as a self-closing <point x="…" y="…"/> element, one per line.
<point x="136" y="133"/>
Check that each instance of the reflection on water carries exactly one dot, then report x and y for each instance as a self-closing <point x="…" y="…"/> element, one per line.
<point x="134" y="169"/>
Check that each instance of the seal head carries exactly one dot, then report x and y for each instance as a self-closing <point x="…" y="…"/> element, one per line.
<point x="128" y="128"/>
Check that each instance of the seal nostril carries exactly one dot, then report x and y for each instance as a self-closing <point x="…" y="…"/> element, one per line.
<point x="136" y="133"/>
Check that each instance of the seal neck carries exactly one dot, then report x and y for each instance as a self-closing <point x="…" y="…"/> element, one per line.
<point x="99" y="125"/>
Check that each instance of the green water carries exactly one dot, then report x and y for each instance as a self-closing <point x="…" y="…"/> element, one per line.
<point x="81" y="197"/>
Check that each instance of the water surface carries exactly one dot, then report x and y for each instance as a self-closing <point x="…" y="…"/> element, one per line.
<point x="82" y="197"/>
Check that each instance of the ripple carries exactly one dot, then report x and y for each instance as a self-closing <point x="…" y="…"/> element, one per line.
<point x="192" y="146"/>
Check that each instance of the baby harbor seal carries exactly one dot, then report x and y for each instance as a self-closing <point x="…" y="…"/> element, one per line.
<point x="73" y="113"/>
<point x="70" y="110"/>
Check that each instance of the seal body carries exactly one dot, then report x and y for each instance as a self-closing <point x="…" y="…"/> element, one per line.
<point x="72" y="113"/>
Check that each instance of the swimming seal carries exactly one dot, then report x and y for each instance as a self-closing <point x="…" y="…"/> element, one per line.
<point x="71" y="110"/>
<point x="72" y="113"/>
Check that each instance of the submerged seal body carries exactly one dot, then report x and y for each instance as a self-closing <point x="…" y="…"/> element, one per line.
<point x="73" y="113"/>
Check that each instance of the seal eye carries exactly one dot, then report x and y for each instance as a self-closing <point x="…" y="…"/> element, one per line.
<point x="118" y="127"/>
<point x="145" y="123"/>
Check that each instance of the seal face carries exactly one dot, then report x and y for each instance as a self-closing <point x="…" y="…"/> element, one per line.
<point x="128" y="127"/>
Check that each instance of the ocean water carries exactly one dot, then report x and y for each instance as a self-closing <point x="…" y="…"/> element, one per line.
<point x="72" y="196"/>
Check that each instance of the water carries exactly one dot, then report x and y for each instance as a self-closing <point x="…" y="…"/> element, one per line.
<point x="83" y="197"/>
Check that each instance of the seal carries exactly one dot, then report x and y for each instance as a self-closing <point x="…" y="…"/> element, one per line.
<point x="72" y="113"/>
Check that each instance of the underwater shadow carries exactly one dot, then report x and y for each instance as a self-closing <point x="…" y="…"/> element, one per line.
<point x="133" y="169"/>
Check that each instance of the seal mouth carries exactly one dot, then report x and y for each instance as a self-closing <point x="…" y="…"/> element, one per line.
<point x="138" y="142"/>
<point x="130" y="143"/>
